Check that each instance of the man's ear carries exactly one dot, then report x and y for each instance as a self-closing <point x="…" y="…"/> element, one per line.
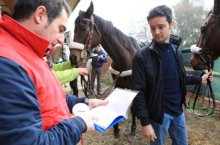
<point x="172" y="24"/>
<point x="40" y="14"/>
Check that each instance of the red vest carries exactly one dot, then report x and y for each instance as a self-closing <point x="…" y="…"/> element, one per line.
<point x="27" y="49"/>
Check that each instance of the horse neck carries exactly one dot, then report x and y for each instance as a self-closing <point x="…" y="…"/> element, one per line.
<point x="115" y="49"/>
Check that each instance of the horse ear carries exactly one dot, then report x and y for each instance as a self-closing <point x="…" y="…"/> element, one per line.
<point x="90" y="10"/>
<point x="81" y="12"/>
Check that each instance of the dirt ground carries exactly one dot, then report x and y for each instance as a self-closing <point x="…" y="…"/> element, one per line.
<point x="201" y="131"/>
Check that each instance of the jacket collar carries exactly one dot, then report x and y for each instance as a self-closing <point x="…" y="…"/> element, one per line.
<point x="152" y="46"/>
<point x="24" y="36"/>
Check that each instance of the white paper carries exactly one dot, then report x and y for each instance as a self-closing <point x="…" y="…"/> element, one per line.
<point x="119" y="103"/>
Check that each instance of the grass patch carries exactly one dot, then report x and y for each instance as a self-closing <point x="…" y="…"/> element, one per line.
<point x="201" y="109"/>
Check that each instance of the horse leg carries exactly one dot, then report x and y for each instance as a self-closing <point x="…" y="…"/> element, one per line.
<point x="133" y="125"/>
<point x="73" y="86"/>
<point x="116" y="131"/>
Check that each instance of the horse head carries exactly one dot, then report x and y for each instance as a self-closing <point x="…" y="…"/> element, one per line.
<point x="86" y="32"/>
<point x="207" y="48"/>
<point x="78" y="56"/>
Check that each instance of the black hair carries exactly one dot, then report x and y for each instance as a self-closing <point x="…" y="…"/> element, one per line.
<point x="162" y="10"/>
<point x="24" y="8"/>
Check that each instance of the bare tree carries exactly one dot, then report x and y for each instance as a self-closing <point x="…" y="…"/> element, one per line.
<point x="189" y="16"/>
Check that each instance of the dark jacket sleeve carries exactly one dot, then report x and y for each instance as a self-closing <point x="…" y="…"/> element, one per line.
<point x="72" y="100"/>
<point x="20" y="118"/>
<point x="191" y="79"/>
<point x="139" y="83"/>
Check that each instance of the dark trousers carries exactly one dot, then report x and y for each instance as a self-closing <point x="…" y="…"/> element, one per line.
<point x="96" y="72"/>
<point x="74" y="87"/>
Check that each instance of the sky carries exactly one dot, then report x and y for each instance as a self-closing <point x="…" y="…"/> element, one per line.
<point x="122" y="12"/>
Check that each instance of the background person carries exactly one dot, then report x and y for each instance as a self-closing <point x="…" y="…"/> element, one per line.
<point x="77" y="47"/>
<point x="34" y="108"/>
<point x="65" y="73"/>
<point x="160" y="78"/>
<point x="98" y="59"/>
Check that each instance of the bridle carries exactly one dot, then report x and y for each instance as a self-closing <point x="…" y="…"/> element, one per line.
<point x="206" y="58"/>
<point x="205" y="54"/>
<point x="192" y="104"/>
<point x="209" y="62"/>
<point x="93" y="26"/>
<point x="85" y="55"/>
<point x="86" y="52"/>
<point x="89" y="42"/>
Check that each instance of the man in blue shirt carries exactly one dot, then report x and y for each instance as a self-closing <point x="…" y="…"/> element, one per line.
<point x="98" y="59"/>
<point x="160" y="78"/>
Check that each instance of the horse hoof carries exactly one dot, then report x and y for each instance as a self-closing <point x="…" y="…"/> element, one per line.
<point x="117" y="133"/>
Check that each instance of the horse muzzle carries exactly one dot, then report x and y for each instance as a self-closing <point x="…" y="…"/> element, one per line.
<point x="195" y="49"/>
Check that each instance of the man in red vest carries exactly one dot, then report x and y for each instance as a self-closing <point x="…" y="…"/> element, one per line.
<point x="34" y="108"/>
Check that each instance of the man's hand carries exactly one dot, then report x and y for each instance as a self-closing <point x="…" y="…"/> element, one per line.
<point x="83" y="71"/>
<point x="148" y="132"/>
<point x="97" y="58"/>
<point x="88" y="119"/>
<point x="96" y="102"/>
<point x="206" y="77"/>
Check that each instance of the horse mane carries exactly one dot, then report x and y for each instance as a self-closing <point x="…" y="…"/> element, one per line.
<point x="114" y="33"/>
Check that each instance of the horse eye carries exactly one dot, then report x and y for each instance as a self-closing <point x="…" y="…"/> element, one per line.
<point x="84" y="23"/>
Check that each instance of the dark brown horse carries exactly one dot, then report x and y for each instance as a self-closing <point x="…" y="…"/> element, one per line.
<point x="92" y="30"/>
<point x="208" y="46"/>
<point x="205" y="52"/>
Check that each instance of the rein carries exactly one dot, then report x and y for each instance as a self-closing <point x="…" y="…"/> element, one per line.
<point x="87" y="52"/>
<point x="208" y="108"/>
<point x="205" y="110"/>
<point x="207" y="51"/>
<point x="202" y="110"/>
<point x="86" y="84"/>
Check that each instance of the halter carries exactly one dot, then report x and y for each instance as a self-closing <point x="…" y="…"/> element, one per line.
<point x="85" y="55"/>
<point x="210" y="108"/>
<point x="206" y="53"/>
<point x="86" y="52"/>
<point x="88" y="43"/>
<point x="208" y="62"/>
<point x="192" y="104"/>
